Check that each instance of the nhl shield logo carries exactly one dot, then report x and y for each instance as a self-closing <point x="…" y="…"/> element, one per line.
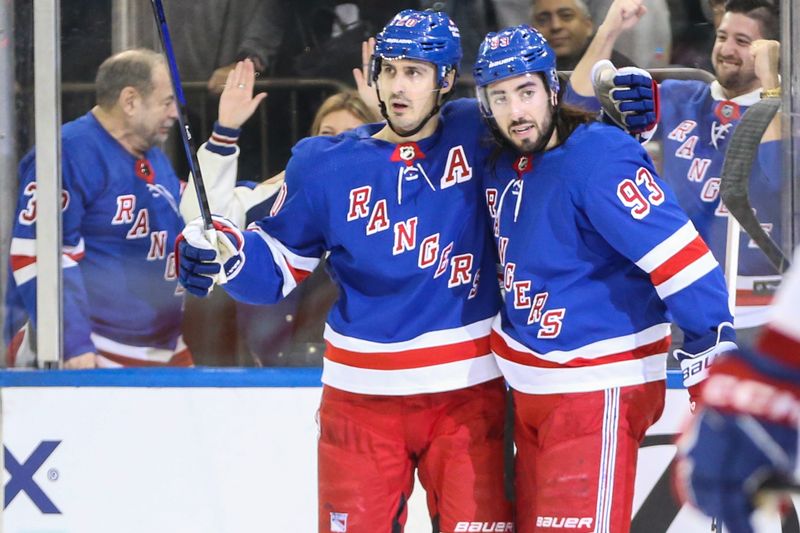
<point x="727" y="111"/>
<point x="407" y="152"/>
<point x="338" y="522"/>
<point x="522" y="165"/>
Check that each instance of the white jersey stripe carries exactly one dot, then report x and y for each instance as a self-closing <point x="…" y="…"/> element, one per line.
<point x="535" y="380"/>
<point x="687" y="276"/>
<point x="594" y="350"/>
<point x="668" y="248"/>
<point x="284" y="258"/>
<point x="432" y="339"/>
<point x="438" y="378"/>
<point x="142" y="353"/>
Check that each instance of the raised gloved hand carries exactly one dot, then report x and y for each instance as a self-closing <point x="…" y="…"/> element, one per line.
<point x="206" y="257"/>
<point x="697" y="355"/>
<point x="629" y="98"/>
<point x="744" y="435"/>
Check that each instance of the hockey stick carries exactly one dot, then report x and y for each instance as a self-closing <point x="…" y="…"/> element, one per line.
<point x="735" y="179"/>
<point x="186" y="134"/>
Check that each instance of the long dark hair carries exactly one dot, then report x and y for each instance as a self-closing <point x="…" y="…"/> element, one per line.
<point x="566" y="119"/>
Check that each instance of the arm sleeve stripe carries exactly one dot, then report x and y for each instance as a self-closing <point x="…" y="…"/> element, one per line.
<point x="664" y="251"/>
<point x="295" y="268"/>
<point x="687" y="276"/>
<point x="23" y="258"/>
<point x="675" y="264"/>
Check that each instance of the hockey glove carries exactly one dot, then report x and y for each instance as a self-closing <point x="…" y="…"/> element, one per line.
<point x="744" y="435"/>
<point x="697" y="356"/>
<point x="208" y="257"/>
<point x="629" y="98"/>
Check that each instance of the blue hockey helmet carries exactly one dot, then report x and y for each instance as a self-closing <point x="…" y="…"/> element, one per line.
<point x="512" y="52"/>
<point x="422" y="35"/>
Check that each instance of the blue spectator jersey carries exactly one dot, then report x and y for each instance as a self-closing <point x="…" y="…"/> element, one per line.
<point x="697" y="122"/>
<point x="120" y="221"/>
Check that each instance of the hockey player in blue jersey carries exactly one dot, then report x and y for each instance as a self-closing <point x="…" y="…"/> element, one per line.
<point x="409" y="380"/>
<point x="745" y="435"/>
<point x="697" y="121"/>
<point x="596" y="258"/>
<point x="122" y="301"/>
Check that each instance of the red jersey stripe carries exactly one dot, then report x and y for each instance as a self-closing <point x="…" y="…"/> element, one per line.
<point x="501" y="348"/>
<point x="675" y="264"/>
<point x="21" y="261"/>
<point x="780" y="347"/>
<point x="417" y="358"/>
<point x="223" y="140"/>
<point x="298" y="274"/>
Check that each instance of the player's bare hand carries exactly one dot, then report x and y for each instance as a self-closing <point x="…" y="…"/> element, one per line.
<point x="361" y="77"/>
<point x="766" y="54"/>
<point x="237" y="102"/>
<point x="623" y="15"/>
<point x="84" y="360"/>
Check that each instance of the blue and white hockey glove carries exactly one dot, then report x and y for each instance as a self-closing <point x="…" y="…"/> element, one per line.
<point x="208" y="257"/>
<point x="629" y="98"/>
<point x="744" y="435"/>
<point x="697" y="355"/>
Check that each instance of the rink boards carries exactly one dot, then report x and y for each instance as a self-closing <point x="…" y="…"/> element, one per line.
<point x="206" y="450"/>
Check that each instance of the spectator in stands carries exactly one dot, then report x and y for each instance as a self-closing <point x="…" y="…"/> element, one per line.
<point x="567" y="25"/>
<point x="228" y="31"/>
<point x="288" y="333"/>
<point x="122" y="304"/>
<point x="649" y="44"/>
<point x="511" y="12"/>
<point x="697" y="121"/>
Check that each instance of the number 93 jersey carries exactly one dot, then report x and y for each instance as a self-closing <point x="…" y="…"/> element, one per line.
<point x="597" y="258"/>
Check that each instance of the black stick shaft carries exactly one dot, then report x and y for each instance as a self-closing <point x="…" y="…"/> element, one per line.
<point x="186" y="134"/>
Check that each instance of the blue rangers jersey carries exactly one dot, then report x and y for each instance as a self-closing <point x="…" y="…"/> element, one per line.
<point x="408" y="248"/>
<point x="697" y="122"/>
<point x="597" y="259"/>
<point x="120" y="221"/>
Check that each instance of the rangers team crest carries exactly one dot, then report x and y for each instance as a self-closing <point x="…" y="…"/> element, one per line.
<point x="339" y="522"/>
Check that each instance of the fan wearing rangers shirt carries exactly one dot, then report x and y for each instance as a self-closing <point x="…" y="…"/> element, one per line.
<point x="122" y="301"/>
<point x="697" y="121"/>
<point x="597" y="258"/>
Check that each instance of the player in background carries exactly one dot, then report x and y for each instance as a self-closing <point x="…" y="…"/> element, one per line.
<point x="697" y="121"/>
<point x="595" y="254"/>
<point x="745" y="434"/>
<point x="409" y="380"/>
<point x="122" y="301"/>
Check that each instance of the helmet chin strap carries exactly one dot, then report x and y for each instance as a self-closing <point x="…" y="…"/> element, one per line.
<point x="422" y="123"/>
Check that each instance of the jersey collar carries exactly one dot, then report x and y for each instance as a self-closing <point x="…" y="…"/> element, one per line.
<point x="746" y="99"/>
